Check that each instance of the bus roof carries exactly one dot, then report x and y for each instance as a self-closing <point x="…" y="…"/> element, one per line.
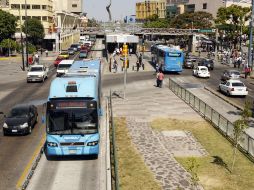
<point x="85" y="67"/>
<point x="168" y="49"/>
<point x="74" y="87"/>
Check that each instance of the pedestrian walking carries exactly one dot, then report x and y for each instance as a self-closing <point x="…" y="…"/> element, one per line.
<point x="41" y="51"/>
<point x="47" y="53"/>
<point x="246" y="71"/>
<point x="157" y="68"/>
<point x="36" y="58"/>
<point x="115" y="66"/>
<point x="137" y="65"/>
<point x="159" y="80"/>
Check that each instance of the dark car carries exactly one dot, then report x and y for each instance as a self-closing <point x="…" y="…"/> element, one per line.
<point x="83" y="54"/>
<point x="207" y="62"/>
<point x="20" y="120"/>
<point x="71" y="51"/>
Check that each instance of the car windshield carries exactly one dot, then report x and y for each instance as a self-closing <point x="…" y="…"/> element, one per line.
<point x="18" y="112"/>
<point x="203" y="69"/>
<point x="72" y="121"/>
<point x="34" y="69"/>
<point x="235" y="73"/>
<point x="237" y="84"/>
<point x="64" y="66"/>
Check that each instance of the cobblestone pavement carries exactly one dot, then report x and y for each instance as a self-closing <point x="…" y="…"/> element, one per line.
<point x="145" y="103"/>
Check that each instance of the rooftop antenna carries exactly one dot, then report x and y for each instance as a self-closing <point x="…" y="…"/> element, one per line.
<point x="109" y="12"/>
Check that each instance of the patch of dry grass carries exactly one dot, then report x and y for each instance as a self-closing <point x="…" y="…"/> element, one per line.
<point x="133" y="173"/>
<point x="214" y="170"/>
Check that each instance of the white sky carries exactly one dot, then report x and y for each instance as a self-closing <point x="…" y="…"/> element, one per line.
<point x="119" y="9"/>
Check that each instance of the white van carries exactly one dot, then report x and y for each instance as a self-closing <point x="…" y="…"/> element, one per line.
<point x="63" y="67"/>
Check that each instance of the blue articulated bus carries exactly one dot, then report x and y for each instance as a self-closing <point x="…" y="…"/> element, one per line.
<point x="169" y="59"/>
<point x="73" y="111"/>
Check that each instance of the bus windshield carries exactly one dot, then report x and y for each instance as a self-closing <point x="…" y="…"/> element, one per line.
<point x="77" y="121"/>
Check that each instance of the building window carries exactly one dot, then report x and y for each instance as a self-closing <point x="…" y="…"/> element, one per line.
<point x="37" y="17"/>
<point x="24" y="18"/>
<point x="36" y="7"/>
<point x="204" y="5"/>
<point x="44" y="7"/>
<point x="44" y="18"/>
<point x="15" y="6"/>
<point x="25" y="6"/>
<point x="74" y="5"/>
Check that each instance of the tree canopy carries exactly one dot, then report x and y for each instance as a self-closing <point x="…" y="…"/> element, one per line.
<point x="7" y="25"/>
<point x="196" y="20"/>
<point x="35" y="30"/>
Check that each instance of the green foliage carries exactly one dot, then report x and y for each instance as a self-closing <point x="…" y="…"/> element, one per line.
<point x="192" y="168"/>
<point x="31" y="48"/>
<point x="9" y="43"/>
<point x="92" y="23"/>
<point x="35" y="30"/>
<point x="196" y="20"/>
<point x="160" y="23"/>
<point x="153" y="17"/>
<point x="239" y="126"/>
<point x="7" y="25"/>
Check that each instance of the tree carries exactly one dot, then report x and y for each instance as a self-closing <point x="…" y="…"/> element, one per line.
<point x="7" y="25"/>
<point x="8" y="44"/>
<point x="92" y="23"/>
<point x="160" y="23"/>
<point x="192" y="20"/>
<point x="231" y="19"/>
<point x="35" y="30"/>
<point x="239" y="126"/>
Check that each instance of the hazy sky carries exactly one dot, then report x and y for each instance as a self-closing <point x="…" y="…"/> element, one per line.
<point x="119" y="9"/>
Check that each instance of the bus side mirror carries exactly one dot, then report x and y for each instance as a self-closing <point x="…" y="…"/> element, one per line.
<point x="101" y="112"/>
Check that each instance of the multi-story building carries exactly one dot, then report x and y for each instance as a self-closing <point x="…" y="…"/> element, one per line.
<point x="71" y="6"/>
<point x="39" y="9"/>
<point x="145" y="9"/>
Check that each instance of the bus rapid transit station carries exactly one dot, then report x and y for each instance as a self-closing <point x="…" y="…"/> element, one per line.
<point x="73" y="111"/>
<point x="169" y="59"/>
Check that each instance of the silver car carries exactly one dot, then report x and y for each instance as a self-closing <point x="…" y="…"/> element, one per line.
<point x="230" y="74"/>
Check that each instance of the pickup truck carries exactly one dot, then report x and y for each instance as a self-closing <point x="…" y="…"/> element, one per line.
<point x="37" y="73"/>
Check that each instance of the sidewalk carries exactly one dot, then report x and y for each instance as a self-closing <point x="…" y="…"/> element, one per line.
<point x="144" y="102"/>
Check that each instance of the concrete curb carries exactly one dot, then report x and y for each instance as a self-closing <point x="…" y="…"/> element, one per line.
<point x="223" y="98"/>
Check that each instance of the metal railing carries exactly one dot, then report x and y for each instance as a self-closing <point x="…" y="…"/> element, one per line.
<point x="219" y="122"/>
<point x="114" y="162"/>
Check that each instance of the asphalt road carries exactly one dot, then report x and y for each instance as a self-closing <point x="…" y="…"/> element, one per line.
<point x="17" y="151"/>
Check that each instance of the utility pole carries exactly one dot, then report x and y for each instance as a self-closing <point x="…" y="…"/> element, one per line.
<point x="26" y="34"/>
<point x="22" y="46"/>
<point x="250" y="63"/>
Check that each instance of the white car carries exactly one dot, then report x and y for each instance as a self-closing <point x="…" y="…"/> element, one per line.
<point x="201" y="71"/>
<point x="63" y="67"/>
<point x="37" y="73"/>
<point x="233" y="88"/>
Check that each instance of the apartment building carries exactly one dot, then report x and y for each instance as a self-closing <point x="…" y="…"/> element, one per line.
<point x="39" y="9"/>
<point x="146" y="9"/>
<point x="70" y="6"/>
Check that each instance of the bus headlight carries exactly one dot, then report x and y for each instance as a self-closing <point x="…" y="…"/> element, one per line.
<point x="25" y="125"/>
<point x="94" y="143"/>
<point x="52" y="144"/>
<point x="5" y="126"/>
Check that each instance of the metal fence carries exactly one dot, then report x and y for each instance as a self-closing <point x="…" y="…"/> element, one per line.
<point x="114" y="162"/>
<point x="220" y="122"/>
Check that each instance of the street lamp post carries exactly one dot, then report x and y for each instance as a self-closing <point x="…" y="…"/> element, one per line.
<point x="22" y="46"/>
<point x="26" y="34"/>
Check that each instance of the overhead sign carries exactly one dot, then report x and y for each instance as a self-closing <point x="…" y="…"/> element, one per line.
<point x="207" y="30"/>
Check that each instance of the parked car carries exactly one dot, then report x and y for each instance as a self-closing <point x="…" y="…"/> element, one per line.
<point x="76" y="47"/>
<point x="37" y="73"/>
<point x="230" y="74"/>
<point x="207" y="62"/>
<point x="63" y="67"/>
<point x="71" y="51"/>
<point x="201" y="71"/>
<point x="233" y="88"/>
<point x="64" y="54"/>
<point x="83" y="54"/>
<point x="20" y="120"/>
<point x="58" y="60"/>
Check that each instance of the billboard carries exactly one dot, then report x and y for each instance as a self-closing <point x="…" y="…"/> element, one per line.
<point x="130" y="19"/>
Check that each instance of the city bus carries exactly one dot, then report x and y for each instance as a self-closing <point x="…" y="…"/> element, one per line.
<point x="169" y="59"/>
<point x="73" y="111"/>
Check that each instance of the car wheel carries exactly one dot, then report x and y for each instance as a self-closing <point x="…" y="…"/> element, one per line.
<point x="43" y="79"/>
<point x="4" y="133"/>
<point x="27" y="81"/>
<point x="228" y="94"/>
